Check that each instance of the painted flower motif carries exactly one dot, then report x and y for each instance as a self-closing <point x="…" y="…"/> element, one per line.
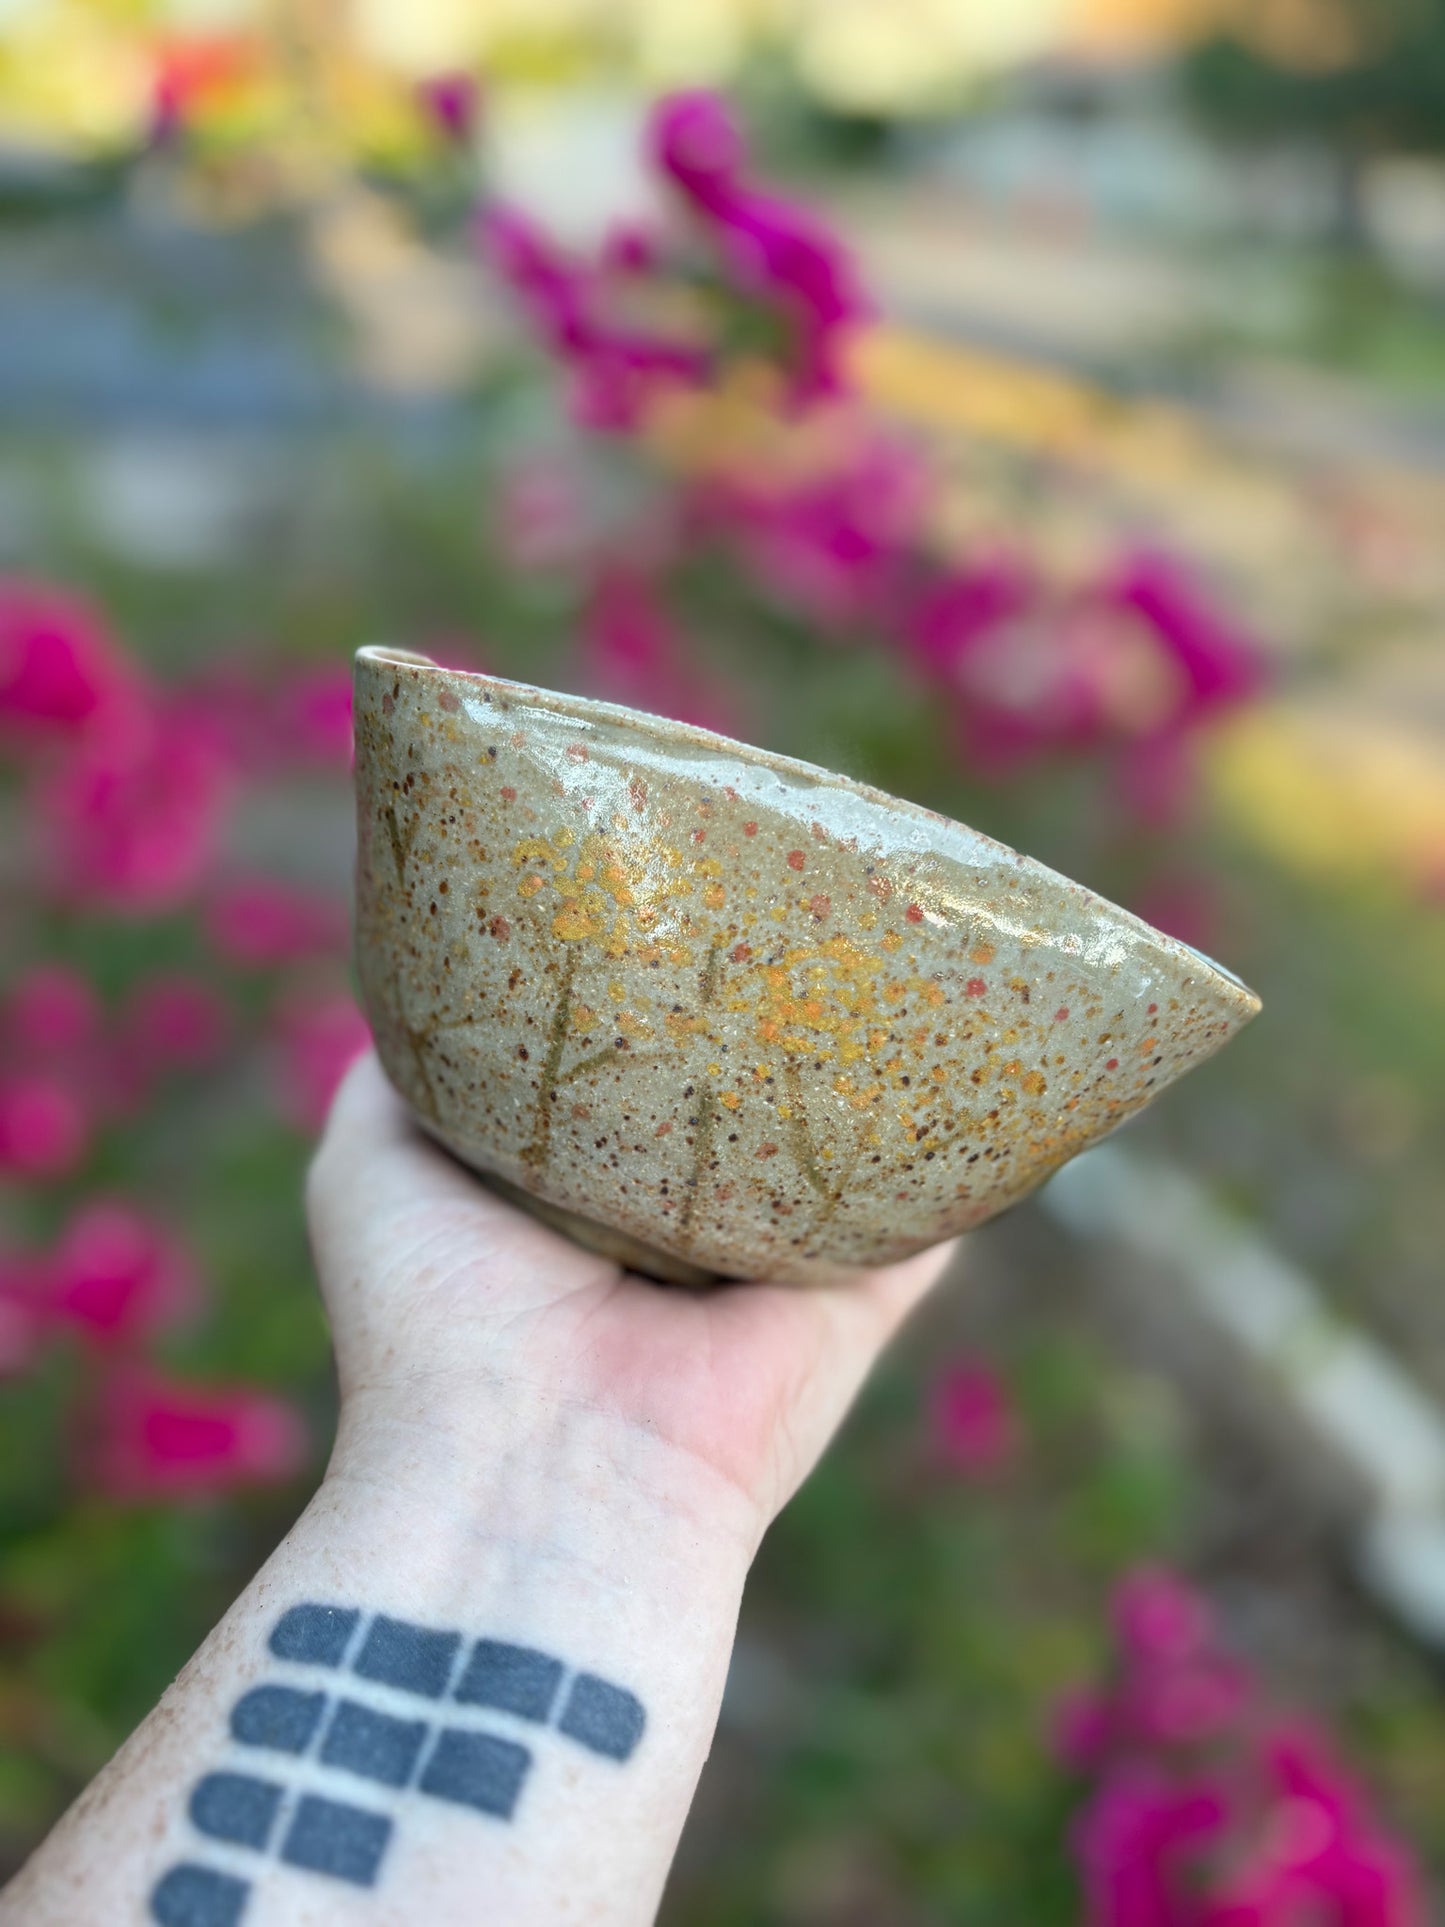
<point x="157" y="1437"/>
<point x="974" y="1423"/>
<point x="318" y="1035"/>
<point x="258" y="921"/>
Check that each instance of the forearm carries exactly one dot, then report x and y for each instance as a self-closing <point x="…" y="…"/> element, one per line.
<point x="504" y="1716"/>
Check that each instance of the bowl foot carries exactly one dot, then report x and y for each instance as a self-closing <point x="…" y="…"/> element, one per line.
<point x="631" y="1253"/>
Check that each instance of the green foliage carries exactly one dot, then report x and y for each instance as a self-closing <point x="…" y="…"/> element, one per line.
<point x="1388" y="97"/>
<point x="926" y="1637"/>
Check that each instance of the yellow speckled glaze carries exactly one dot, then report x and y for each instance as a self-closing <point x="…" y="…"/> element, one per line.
<point x="724" y="1014"/>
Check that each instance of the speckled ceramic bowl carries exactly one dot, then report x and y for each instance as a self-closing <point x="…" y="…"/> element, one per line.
<point x="722" y="1014"/>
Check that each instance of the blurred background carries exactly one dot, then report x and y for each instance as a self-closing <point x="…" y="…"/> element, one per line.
<point x="1037" y="408"/>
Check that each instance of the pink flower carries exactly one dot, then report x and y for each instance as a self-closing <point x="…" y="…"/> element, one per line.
<point x="51" y="1012"/>
<point x="1083" y="1729"/>
<point x="160" y="1438"/>
<point x="975" y="1426"/>
<point x="1221" y="666"/>
<point x="116" y="1275"/>
<point x="835" y="547"/>
<point x="617" y="368"/>
<point x="257" y="921"/>
<point x="1183" y="904"/>
<point x="770" y="250"/>
<point x="59" y="667"/>
<point x="451" y="103"/>
<point x="628" y="249"/>
<point x="1316" y="1854"/>
<point x="315" y="715"/>
<point x="614" y="385"/>
<point x="553" y="289"/>
<point x="1156" y="776"/>
<point x="962" y="607"/>
<point x="22" y="1320"/>
<point x="1158" y="1618"/>
<point x="1139" y="1844"/>
<point x="1003" y="648"/>
<point x="20" y="1337"/>
<point x="44" y="1126"/>
<point x="1163" y="663"/>
<point x="782" y="255"/>
<point x="1184" y="1703"/>
<point x="694" y="140"/>
<point x="320" y="1035"/>
<point x="540" y="516"/>
<point x="633" y="653"/>
<point x="1204" y="1814"/>
<point x="174" y="1021"/>
<point x="132" y="818"/>
<point x="765" y="254"/>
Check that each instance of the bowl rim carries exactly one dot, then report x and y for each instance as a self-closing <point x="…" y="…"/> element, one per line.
<point x="596" y="709"/>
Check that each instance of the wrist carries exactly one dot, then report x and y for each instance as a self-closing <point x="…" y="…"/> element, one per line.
<point x="542" y="1486"/>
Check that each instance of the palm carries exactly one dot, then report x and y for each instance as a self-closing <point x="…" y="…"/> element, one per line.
<point x="432" y="1279"/>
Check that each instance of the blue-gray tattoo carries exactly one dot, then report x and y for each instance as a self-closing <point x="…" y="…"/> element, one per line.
<point x="313" y="1740"/>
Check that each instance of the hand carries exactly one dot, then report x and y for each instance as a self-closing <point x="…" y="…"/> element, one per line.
<point x="535" y="1449"/>
<point x="453" y="1311"/>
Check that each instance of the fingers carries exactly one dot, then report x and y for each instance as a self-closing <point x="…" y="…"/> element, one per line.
<point x="377" y="1187"/>
<point x="896" y="1291"/>
<point x="372" y="1155"/>
<point x="865" y="1315"/>
<point x="851" y="1324"/>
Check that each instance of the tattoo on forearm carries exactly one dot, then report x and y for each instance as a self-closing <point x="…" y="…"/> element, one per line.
<point x="314" y="1738"/>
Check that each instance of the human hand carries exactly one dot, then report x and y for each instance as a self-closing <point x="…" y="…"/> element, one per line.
<point x="542" y="1462"/>
<point x="459" y="1316"/>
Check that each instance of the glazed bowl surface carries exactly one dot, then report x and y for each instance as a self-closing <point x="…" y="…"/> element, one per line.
<point x="723" y="1014"/>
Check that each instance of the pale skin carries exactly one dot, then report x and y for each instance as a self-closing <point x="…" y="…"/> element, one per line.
<point x="534" y="1448"/>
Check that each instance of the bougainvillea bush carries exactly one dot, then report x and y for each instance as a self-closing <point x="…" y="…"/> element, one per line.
<point x="712" y="521"/>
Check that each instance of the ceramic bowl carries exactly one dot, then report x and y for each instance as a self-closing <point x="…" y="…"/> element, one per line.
<point x="722" y="1014"/>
